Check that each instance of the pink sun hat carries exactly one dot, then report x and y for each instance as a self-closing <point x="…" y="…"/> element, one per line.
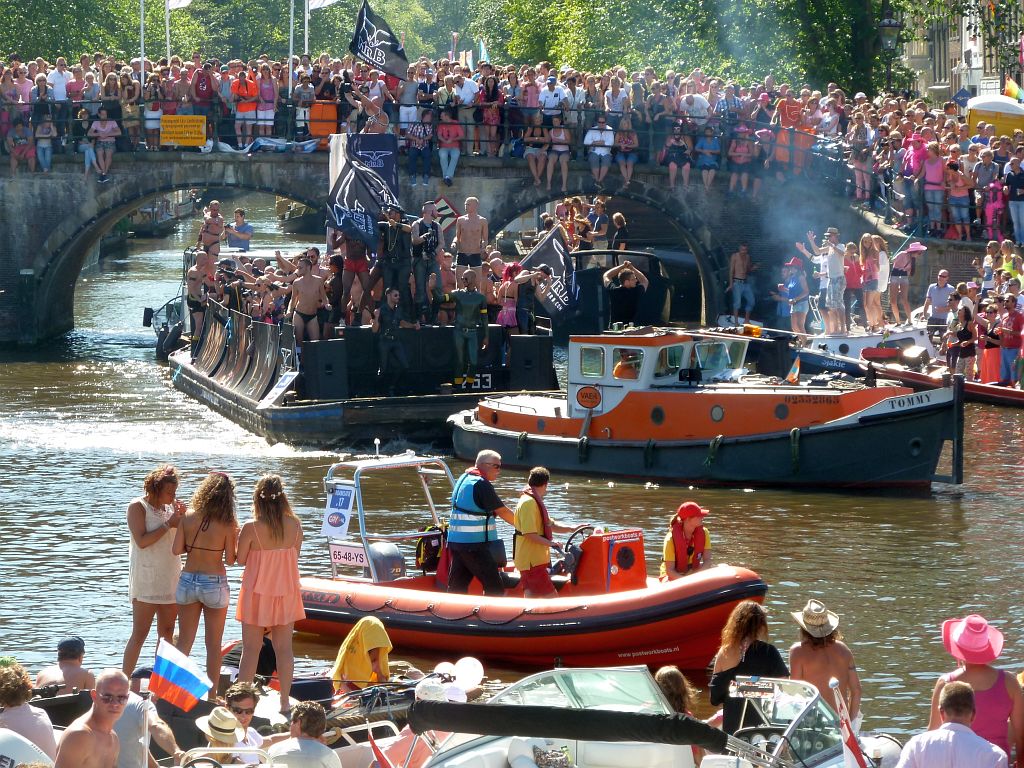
<point x="972" y="640"/>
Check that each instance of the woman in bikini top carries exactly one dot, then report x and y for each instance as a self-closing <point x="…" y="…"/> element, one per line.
<point x="207" y="535"/>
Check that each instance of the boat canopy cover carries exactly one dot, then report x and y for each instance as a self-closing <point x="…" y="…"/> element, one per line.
<point x="565" y="723"/>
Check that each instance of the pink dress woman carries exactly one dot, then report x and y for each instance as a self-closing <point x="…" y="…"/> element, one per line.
<point x="270" y="595"/>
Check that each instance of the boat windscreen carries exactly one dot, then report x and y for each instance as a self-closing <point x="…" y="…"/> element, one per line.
<point x="559" y="723"/>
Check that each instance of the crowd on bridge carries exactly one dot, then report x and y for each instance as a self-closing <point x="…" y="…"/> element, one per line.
<point x="542" y="113"/>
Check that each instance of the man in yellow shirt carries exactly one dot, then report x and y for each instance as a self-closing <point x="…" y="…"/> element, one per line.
<point x="534" y="532"/>
<point x="687" y="542"/>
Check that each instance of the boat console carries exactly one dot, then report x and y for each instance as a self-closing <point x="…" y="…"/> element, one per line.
<point x="612" y="561"/>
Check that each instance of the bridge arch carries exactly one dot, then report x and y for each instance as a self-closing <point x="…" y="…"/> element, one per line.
<point x="711" y="260"/>
<point x="57" y="259"/>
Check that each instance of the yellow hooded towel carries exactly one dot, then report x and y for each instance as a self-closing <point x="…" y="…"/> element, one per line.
<point x="353" y="664"/>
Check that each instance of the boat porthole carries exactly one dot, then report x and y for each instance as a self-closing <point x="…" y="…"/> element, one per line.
<point x="915" y="446"/>
<point x="494" y="417"/>
<point x="781" y="411"/>
<point x="844" y="349"/>
<point x="717" y="413"/>
<point x="625" y="558"/>
<point x="541" y="424"/>
<point x="657" y="414"/>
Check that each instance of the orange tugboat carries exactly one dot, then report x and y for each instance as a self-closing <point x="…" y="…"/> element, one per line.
<point x="608" y="611"/>
<point x="672" y="405"/>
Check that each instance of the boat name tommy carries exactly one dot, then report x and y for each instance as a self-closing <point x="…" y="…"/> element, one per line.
<point x="909" y="401"/>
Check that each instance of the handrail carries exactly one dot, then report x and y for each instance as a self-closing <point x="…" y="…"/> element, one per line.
<point x="514" y="120"/>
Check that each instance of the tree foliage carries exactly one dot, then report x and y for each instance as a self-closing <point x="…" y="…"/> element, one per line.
<point x="798" y="41"/>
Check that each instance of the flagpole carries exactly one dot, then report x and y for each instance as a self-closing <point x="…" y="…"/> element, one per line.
<point x="291" y="45"/>
<point x="305" y="32"/>
<point x="142" y="41"/>
<point x="167" y="26"/>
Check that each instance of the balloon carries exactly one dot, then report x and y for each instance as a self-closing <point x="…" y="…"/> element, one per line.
<point x="445" y="668"/>
<point x="456" y="693"/>
<point x="468" y="673"/>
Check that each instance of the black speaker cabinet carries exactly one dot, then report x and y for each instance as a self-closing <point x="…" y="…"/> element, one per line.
<point x="325" y="369"/>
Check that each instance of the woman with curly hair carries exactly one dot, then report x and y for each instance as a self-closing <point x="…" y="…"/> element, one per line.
<point x="153" y="567"/>
<point x="745" y="650"/>
<point x="17" y="715"/>
<point x="269" y="599"/>
<point x="206" y="536"/>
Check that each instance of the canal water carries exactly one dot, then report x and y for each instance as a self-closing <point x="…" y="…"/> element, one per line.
<point x="83" y="419"/>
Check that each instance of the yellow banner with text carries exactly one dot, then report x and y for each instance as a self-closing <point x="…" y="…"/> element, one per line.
<point x="183" y="130"/>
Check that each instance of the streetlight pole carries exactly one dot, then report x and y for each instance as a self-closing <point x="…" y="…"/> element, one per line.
<point x="889" y="31"/>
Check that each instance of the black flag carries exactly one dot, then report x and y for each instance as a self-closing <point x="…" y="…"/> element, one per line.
<point x="379" y="153"/>
<point x="359" y="192"/>
<point x="377" y="45"/>
<point x="561" y="292"/>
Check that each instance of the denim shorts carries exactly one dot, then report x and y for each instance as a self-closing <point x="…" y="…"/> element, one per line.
<point x="206" y="588"/>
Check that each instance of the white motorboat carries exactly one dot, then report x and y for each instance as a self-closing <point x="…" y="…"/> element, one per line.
<point x="617" y="717"/>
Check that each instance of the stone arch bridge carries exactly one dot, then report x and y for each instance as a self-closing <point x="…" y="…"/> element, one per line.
<point x="50" y="222"/>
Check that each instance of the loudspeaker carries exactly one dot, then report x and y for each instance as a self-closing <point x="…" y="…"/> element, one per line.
<point x="431" y="349"/>
<point x="325" y="369"/>
<point x="530" y="362"/>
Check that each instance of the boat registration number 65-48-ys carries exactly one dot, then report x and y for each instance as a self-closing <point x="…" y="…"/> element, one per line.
<point x="348" y="554"/>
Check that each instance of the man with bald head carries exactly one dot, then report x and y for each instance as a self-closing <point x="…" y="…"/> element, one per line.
<point x="90" y="741"/>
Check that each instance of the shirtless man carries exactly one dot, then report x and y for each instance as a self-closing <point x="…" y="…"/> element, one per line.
<point x="821" y="654"/>
<point x="449" y="282"/>
<point x="90" y="741"/>
<point x="195" y="279"/>
<point x="740" y="268"/>
<point x="471" y="236"/>
<point x="68" y="671"/>
<point x="308" y="295"/>
<point x="212" y="230"/>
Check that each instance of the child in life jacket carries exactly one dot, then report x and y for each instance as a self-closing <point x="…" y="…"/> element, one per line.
<point x="687" y="543"/>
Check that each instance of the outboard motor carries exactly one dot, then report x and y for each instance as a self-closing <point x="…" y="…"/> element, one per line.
<point x="387" y="561"/>
<point x="173" y="340"/>
<point x="161" y="337"/>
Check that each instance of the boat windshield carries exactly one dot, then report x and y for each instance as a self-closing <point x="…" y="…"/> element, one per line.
<point x="629" y="689"/>
<point x="811" y="728"/>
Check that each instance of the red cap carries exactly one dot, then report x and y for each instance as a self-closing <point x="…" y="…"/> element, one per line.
<point x="690" y="509"/>
<point x="794" y="262"/>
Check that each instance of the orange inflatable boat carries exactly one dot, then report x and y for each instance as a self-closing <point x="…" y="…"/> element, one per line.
<point x="608" y="611"/>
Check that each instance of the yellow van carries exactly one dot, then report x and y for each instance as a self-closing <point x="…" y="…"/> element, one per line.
<point x="1004" y="113"/>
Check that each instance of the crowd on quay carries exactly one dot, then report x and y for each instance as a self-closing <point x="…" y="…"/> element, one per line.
<point x="976" y="716"/>
<point x="976" y="324"/>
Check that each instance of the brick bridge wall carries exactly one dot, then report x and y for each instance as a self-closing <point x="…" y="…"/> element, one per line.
<point x="51" y="222"/>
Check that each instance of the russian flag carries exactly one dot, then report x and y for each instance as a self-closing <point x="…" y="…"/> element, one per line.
<point x="177" y="678"/>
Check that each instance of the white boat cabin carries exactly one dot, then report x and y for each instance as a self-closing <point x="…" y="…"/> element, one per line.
<point x="602" y="370"/>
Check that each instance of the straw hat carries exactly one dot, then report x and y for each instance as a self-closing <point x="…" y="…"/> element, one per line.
<point x="972" y="640"/>
<point x="816" y="619"/>
<point x="220" y="725"/>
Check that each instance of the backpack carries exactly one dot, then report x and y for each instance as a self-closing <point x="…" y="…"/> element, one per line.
<point x="428" y="548"/>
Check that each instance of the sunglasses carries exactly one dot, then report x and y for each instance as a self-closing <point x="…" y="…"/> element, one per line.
<point x="242" y="710"/>
<point x="110" y="698"/>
